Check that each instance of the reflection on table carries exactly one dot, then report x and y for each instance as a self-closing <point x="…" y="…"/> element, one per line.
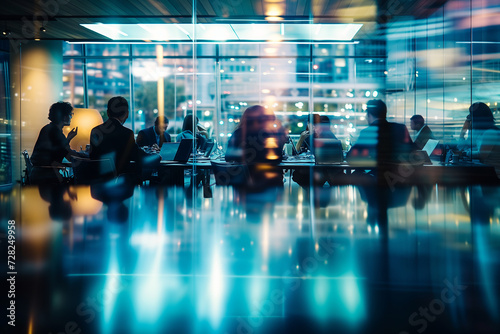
<point x="289" y="259"/>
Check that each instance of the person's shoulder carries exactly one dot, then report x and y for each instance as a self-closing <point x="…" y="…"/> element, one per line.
<point x="369" y="128"/>
<point x="237" y="132"/>
<point x="126" y="130"/>
<point x="97" y="126"/>
<point x="396" y="124"/>
<point x="49" y="128"/>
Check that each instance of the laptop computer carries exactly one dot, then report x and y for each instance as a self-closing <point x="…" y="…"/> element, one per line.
<point x="177" y="152"/>
<point x="430" y="146"/>
<point x="209" y="147"/>
<point x="425" y="153"/>
<point x="328" y="151"/>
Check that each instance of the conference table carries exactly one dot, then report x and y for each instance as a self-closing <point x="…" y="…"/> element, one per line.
<point x="463" y="172"/>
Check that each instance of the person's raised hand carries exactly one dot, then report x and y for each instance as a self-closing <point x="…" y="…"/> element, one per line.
<point x="72" y="134"/>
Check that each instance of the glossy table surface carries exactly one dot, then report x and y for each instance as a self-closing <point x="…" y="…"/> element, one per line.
<point x="343" y="259"/>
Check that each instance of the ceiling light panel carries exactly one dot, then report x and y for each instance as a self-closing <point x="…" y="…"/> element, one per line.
<point x="227" y="32"/>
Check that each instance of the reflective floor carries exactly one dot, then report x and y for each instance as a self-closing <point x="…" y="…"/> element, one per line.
<point x="346" y="259"/>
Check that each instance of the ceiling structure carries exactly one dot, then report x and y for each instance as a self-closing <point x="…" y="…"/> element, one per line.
<point x="63" y="19"/>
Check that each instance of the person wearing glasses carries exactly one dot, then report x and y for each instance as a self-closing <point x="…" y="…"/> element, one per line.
<point x="52" y="146"/>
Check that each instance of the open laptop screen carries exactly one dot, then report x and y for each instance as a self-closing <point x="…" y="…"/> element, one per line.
<point x="430" y="146"/>
<point x="168" y="151"/>
<point x="177" y="151"/>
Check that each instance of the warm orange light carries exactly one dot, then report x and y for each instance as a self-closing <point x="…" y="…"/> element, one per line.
<point x="273" y="18"/>
<point x="83" y="204"/>
<point x="85" y="120"/>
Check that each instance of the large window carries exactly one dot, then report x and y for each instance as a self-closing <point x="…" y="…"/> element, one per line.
<point x="293" y="80"/>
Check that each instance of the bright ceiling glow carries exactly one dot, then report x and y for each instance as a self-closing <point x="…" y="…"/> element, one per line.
<point x="227" y="32"/>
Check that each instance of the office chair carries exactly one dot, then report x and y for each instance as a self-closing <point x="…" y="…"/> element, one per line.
<point x="61" y="172"/>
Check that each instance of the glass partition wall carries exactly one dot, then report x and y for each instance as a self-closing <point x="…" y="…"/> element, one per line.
<point x="291" y="79"/>
<point x="438" y="66"/>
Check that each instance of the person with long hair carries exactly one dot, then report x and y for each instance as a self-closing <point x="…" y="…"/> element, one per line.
<point x="190" y="130"/>
<point x="484" y="143"/>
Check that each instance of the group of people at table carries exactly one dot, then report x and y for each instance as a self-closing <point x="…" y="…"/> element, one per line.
<point x="258" y="140"/>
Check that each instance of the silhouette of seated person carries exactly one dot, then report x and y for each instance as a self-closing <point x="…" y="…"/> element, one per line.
<point x="321" y="129"/>
<point x="111" y="140"/>
<point x="484" y="143"/>
<point x="258" y="143"/>
<point x="190" y="126"/>
<point x="424" y="133"/>
<point x="52" y="146"/>
<point x="382" y="144"/>
<point x="154" y="136"/>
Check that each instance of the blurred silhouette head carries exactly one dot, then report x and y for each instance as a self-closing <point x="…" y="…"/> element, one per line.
<point x="118" y="108"/>
<point x="161" y="124"/>
<point x="417" y="122"/>
<point x="316" y="119"/>
<point x="61" y="112"/>
<point x="188" y="123"/>
<point x="324" y="123"/>
<point x="481" y="116"/>
<point x="376" y="109"/>
<point x="257" y="118"/>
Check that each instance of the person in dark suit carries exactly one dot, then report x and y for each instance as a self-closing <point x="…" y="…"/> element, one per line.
<point x="424" y="133"/>
<point x="52" y="146"/>
<point x="156" y="134"/>
<point x="382" y="144"/>
<point x="111" y="140"/>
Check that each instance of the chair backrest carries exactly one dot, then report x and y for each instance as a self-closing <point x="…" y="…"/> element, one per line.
<point x="29" y="167"/>
<point x="227" y="174"/>
<point x="88" y="171"/>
